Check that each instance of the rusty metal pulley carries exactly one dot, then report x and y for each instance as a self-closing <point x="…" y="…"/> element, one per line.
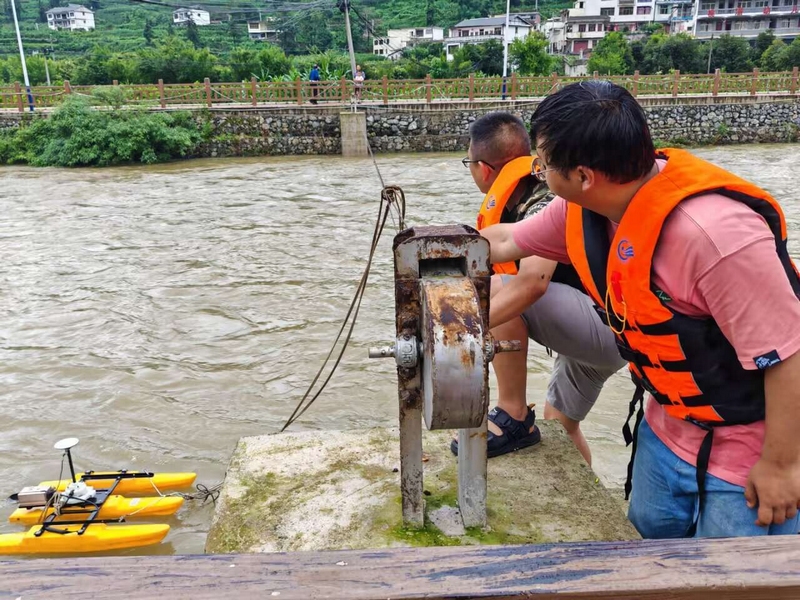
<point x="454" y="365"/>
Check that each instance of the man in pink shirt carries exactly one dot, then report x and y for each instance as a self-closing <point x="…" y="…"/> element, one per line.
<point x="687" y="264"/>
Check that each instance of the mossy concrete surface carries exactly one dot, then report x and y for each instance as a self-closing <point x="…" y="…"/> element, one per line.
<point x="341" y="490"/>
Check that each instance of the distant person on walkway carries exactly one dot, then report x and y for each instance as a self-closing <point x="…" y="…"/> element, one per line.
<point x="689" y="267"/>
<point x="358" y="82"/>
<point x="314" y="79"/>
<point x="535" y="298"/>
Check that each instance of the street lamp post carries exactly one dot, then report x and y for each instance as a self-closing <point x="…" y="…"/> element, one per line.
<point x="505" y="46"/>
<point x="22" y="55"/>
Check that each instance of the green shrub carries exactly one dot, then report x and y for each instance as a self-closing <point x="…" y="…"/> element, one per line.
<point x="77" y="135"/>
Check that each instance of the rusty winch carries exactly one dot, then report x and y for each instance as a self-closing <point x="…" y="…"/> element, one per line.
<point x="443" y="349"/>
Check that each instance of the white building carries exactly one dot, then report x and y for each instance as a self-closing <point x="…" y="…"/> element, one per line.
<point x="265" y="30"/>
<point x="72" y="16"/>
<point x="396" y="40"/>
<point x="676" y="16"/>
<point x="747" y="18"/>
<point x="199" y="16"/>
<point x="479" y="31"/>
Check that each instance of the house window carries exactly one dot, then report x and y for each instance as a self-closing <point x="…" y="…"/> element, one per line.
<point x="625" y="10"/>
<point x="643" y="10"/>
<point x="592" y="27"/>
<point x="663" y="9"/>
<point x="582" y="27"/>
<point x="580" y="4"/>
<point x="783" y="24"/>
<point x="606" y="12"/>
<point x="516" y="30"/>
<point x="498" y="31"/>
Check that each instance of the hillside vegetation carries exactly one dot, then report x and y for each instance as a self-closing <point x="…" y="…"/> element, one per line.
<point x="128" y="25"/>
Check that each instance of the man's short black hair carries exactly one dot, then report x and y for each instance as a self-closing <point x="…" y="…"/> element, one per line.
<point x="594" y="124"/>
<point x="498" y="138"/>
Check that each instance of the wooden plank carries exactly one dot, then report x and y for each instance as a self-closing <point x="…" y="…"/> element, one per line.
<point x="793" y="88"/>
<point x="734" y="569"/>
<point x="161" y="98"/>
<point x="207" y="83"/>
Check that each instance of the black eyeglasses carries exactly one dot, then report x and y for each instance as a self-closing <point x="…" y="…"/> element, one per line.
<point x="466" y="162"/>
<point x="538" y="169"/>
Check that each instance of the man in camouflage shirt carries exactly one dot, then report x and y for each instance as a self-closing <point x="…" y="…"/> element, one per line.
<point x="543" y="301"/>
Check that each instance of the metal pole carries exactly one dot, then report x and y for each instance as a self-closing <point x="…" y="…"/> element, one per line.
<point x="71" y="466"/>
<point x="22" y="55"/>
<point x="349" y="36"/>
<point x="505" y="46"/>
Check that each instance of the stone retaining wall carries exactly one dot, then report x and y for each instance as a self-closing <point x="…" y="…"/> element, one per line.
<point x="293" y="131"/>
<point x="419" y="130"/>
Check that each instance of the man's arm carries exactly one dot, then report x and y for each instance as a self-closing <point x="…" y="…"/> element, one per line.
<point x="501" y="240"/>
<point x="521" y="291"/>
<point x="774" y="482"/>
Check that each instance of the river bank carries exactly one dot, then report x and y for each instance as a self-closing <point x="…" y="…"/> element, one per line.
<point x="281" y="131"/>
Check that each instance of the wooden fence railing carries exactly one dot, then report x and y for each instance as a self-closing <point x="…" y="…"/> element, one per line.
<point x="757" y="568"/>
<point x="385" y="91"/>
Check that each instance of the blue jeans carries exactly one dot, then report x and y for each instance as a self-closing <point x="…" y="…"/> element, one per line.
<point x="664" y="499"/>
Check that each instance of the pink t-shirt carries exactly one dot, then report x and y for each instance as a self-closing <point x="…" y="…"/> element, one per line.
<point x="716" y="257"/>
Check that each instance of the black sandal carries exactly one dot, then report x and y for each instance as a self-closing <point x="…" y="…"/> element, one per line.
<point x="516" y="434"/>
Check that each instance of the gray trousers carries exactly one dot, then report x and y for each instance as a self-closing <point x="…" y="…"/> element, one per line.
<point x="564" y="319"/>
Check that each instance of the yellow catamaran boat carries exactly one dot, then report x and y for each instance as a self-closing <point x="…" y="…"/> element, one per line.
<point x="96" y="537"/>
<point x="114" y="507"/>
<point x="133" y="482"/>
<point x="85" y="513"/>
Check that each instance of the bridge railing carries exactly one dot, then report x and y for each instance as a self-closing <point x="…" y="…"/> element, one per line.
<point x="387" y="92"/>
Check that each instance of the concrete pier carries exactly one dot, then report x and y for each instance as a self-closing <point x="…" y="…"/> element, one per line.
<point x="332" y="490"/>
<point x="353" y="126"/>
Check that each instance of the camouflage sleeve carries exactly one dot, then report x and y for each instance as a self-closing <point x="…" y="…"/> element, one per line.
<point x="541" y="197"/>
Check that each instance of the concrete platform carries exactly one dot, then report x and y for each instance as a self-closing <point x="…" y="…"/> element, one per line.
<point x="332" y="490"/>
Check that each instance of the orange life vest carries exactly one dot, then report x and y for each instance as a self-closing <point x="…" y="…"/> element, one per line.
<point x="495" y="201"/>
<point x="686" y="363"/>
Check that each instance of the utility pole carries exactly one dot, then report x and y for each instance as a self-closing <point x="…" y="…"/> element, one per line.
<point x="710" y="46"/>
<point x="22" y="55"/>
<point x="505" y="45"/>
<point x="344" y="6"/>
<point x="46" y="70"/>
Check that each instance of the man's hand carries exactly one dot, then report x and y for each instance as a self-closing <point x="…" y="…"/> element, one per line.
<point x="775" y="489"/>
<point x="774" y="481"/>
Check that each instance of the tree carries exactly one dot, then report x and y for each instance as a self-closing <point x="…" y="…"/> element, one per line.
<point x="147" y="33"/>
<point x="192" y="34"/>
<point x="731" y="54"/>
<point x="175" y="60"/>
<point x="234" y="31"/>
<point x="774" y="57"/>
<point x="664" y="53"/>
<point x="530" y="55"/>
<point x="763" y="41"/>
<point x="792" y="56"/>
<point x="272" y="62"/>
<point x="612" y="56"/>
<point x="42" y="13"/>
